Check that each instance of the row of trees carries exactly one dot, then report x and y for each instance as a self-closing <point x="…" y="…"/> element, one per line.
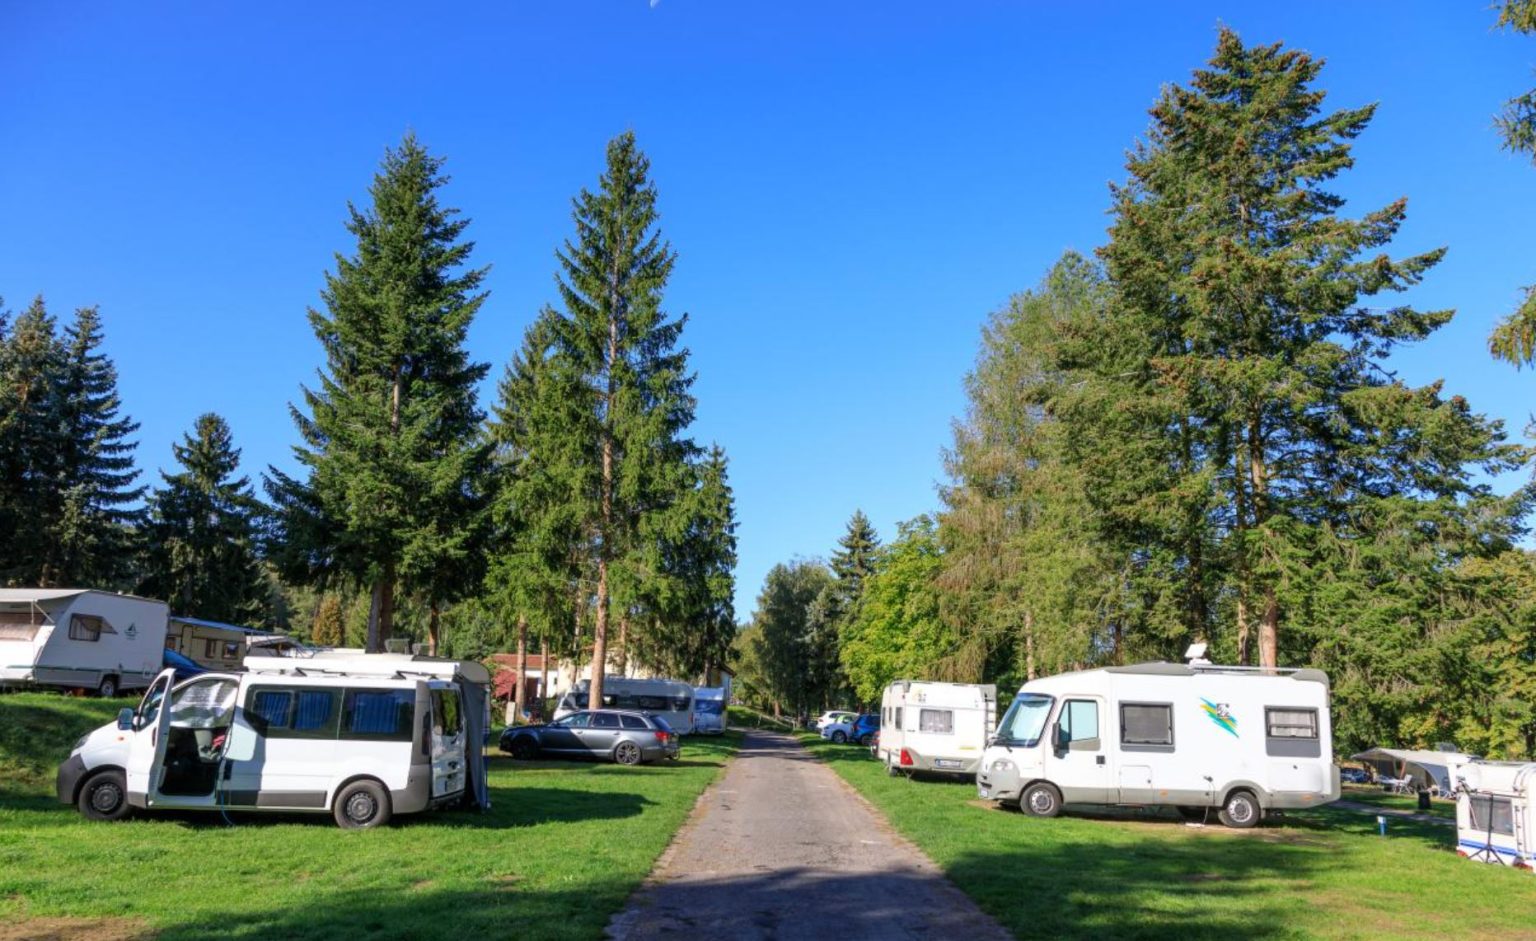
<point x="578" y="504"/>
<point x="1198" y="436"/>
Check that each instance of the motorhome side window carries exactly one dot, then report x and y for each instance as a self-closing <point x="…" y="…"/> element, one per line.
<point x="1492" y="814"/>
<point x="940" y="721"/>
<point x="1080" y="720"/>
<point x="383" y="715"/>
<point x="279" y="712"/>
<point x="1146" y="724"/>
<point x="85" y="627"/>
<point x="1291" y="723"/>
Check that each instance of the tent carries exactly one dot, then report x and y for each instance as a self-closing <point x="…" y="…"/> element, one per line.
<point x="1426" y="769"/>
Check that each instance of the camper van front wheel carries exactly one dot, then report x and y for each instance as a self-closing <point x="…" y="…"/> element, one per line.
<point x="361" y="805"/>
<point x="1241" y="810"/>
<point x="104" y="796"/>
<point x="1041" y="800"/>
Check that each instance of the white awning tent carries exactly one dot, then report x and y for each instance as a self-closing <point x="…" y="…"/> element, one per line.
<point x="1425" y="768"/>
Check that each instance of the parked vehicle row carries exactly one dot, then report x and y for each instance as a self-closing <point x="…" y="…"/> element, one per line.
<point x="852" y="728"/>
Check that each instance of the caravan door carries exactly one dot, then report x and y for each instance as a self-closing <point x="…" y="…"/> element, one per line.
<point x="1079" y="762"/>
<point x="151" y="731"/>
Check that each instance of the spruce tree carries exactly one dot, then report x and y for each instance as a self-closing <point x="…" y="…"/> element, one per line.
<point x="1514" y="339"/>
<point x="202" y="532"/>
<point x="390" y="437"/>
<point x="626" y="457"/>
<point x="31" y="373"/>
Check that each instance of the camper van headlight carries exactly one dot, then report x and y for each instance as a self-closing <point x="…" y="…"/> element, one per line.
<point x="1002" y="764"/>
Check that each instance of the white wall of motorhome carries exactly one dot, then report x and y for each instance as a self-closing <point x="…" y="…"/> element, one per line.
<point x="1190" y="737"/>
<point x="933" y="726"/>
<point x="80" y="638"/>
<point x="360" y="747"/>
<point x="1496" y="811"/>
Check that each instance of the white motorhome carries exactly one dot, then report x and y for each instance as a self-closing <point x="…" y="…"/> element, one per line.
<point x="1496" y="812"/>
<point x="361" y="737"/>
<point x="930" y="726"/>
<point x="672" y="700"/>
<point x="1243" y="740"/>
<point x="80" y="639"/>
<point x="709" y="710"/>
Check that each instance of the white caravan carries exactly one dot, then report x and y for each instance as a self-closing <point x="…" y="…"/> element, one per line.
<point x="80" y="638"/>
<point x="927" y="726"/>
<point x="709" y="710"/>
<point x="672" y="700"/>
<point x="1194" y="737"/>
<point x="359" y="737"/>
<point x="1496" y="812"/>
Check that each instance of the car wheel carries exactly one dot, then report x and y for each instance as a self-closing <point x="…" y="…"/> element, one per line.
<point x="524" y="748"/>
<point x="1041" y="800"/>
<point x="1241" y="811"/>
<point x="104" y="796"/>
<point x="361" y="805"/>
<point x="627" y="753"/>
<point x="866" y="738"/>
<point x="840" y="736"/>
<point x="107" y="688"/>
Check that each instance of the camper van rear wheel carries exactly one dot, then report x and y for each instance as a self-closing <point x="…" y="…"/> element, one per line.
<point x="361" y="805"/>
<point x="627" y="753"/>
<point x="104" y="796"/>
<point x="107" y="689"/>
<point x="1241" y="810"/>
<point x="1041" y="800"/>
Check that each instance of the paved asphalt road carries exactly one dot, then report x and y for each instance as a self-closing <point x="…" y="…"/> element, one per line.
<point x="780" y="847"/>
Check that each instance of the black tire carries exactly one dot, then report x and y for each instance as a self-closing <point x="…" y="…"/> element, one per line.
<point x="1241" y="811"/>
<point x="866" y="738"/>
<point x="361" y="805"/>
<point x="107" y="688"/>
<point x="627" y="753"/>
<point x="104" y="796"/>
<point x="840" y="737"/>
<point x="524" y="748"/>
<point x="1041" y="799"/>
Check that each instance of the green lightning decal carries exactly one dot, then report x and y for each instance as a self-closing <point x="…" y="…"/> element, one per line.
<point x="1221" y="714"/>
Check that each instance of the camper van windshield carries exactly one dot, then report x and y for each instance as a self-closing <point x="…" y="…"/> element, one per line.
<point x="1025" y="720"/>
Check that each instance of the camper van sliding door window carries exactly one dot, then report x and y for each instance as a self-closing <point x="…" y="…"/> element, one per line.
<point x="1146" y="726"/>
<point x="293" y="713"/>
<point x="87" y="627"/>
<point x="382" y="715"/>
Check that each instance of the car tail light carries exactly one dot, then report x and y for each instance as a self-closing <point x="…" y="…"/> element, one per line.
<point x="906" y="757"/>
<point x="662" y="737"/>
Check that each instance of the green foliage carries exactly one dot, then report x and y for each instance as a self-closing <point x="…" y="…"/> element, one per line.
<point x="202" y="532"/>
<point x="391" y="444"/>
<point x="785" y="658"/>
<point x="329" y="626"/>
<point x="1517" y="122"/>
<point x="897" y="631"/>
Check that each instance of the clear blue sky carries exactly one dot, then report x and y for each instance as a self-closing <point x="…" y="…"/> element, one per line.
<point x="851" y="189"/>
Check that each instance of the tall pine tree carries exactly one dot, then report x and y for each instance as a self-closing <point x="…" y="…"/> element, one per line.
<point x="391" y="434"/>
<point x="202" y="531"/>
<point x="1514" y="339"/>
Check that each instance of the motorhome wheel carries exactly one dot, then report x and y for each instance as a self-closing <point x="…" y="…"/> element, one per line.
<point x="840" y="737"/>
<point x="1241" y="811"/>
<point x="108" y="687"/>
<point x="1041" y="800"/>
<point x="104" y="796"/>
<point x="362" y="805"/>
<point x="627" y="753"/>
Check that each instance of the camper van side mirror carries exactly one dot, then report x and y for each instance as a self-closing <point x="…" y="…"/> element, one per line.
<point x="125" y="719"/>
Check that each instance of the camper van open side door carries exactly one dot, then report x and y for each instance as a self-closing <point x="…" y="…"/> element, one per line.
<point x="151" y="732"/>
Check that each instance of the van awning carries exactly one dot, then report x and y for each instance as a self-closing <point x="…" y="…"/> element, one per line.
<point x="1427" y="768"/>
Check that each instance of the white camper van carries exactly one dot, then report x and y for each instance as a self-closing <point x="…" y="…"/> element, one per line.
<point x="1196" y="736"/>
<point x="1496" y="812"/>
<point x="361" y="738"/>
<point x="709" y="710"/>
<point x="80" y="638"/>
<point x="926" y="726"/>
<point x="672" y="700"/>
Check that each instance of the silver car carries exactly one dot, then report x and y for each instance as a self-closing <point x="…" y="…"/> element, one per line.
<point x="624" y="736"/>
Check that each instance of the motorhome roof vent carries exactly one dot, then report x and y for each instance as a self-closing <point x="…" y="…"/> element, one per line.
<point x="1196" y="653"/>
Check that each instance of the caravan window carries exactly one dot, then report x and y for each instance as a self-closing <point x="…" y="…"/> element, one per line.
<point x="380" y="715"/>
<point x="1492" y="814"/>
<point x="1144" y="723"/>
<point x="87" y="627"/>
<point x="1291" y="723"/>
<point x="938" y="721"/>
<point x="1080" y="720"/>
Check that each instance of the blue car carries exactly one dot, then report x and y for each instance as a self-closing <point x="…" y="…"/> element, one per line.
<point x="865" y="728"/>
<point x="185" y="666"/>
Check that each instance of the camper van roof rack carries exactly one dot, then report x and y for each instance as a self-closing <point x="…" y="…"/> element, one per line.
<point x="1164" y="668"/>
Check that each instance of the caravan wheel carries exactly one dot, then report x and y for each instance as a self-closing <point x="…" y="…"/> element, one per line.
<point x="107" y="689"/>
<point x="1241" y="811"/>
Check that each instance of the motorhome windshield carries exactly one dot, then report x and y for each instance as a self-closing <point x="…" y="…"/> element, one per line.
<point x="1025" y="720"/>
<point x="709" y="707"/>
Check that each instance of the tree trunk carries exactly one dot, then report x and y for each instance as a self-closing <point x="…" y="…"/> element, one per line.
<point x="1239" y="529"/>
<point x="1029" y="645"/>
<point x="1269" y="623"/>
<point x="518" y="691"/>
<point x="1242" y="625"/>
<point x="605" y="536"/>
<point x="387" y="605"/>
<point x="432" y="626"/>
<point x="375" y="602"/>
<point x="543" y="668"/>
<point x="599" y="635"/>
<point x="621" y="660"/>
<point x="1269" y="631"/>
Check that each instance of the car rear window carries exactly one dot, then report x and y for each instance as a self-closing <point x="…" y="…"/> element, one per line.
<point x="632" y="722"/>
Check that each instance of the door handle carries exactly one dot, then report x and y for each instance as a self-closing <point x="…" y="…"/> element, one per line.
<point x="1100" y="760"/>
<point x="154" y="736"/>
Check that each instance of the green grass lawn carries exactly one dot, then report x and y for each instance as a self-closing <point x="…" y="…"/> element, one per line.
<point x="560" y="851"/>
<point x="1376" y="797"/>
<point x="1317" y="874"/>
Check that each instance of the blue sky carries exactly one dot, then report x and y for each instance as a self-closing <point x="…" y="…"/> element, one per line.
<point x="851" y="189"/>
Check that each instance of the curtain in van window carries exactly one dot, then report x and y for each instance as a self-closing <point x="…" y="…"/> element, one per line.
<point x="314" y="710"/>
<point x="379" y="713"/>
<point x="273" y="706"/>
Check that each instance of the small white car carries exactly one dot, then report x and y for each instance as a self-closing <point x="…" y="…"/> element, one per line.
<point x="833" y="716"/>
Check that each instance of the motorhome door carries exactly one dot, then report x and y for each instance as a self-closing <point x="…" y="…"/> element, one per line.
<point x="1079" y="758"/>
<point x="151" y="731"/>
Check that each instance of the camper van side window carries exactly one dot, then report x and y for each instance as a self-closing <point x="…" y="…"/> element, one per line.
<point x="1146" y="726"/>
<point x="1501" y="810"/>
<point x="294" y="713"/>
<point x="1291" y="723"/>
<point x="939" y="721"/>
<point x="85" y="627"/>
<point x="380" y="715"/>
<point x="1080" y="719"/>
